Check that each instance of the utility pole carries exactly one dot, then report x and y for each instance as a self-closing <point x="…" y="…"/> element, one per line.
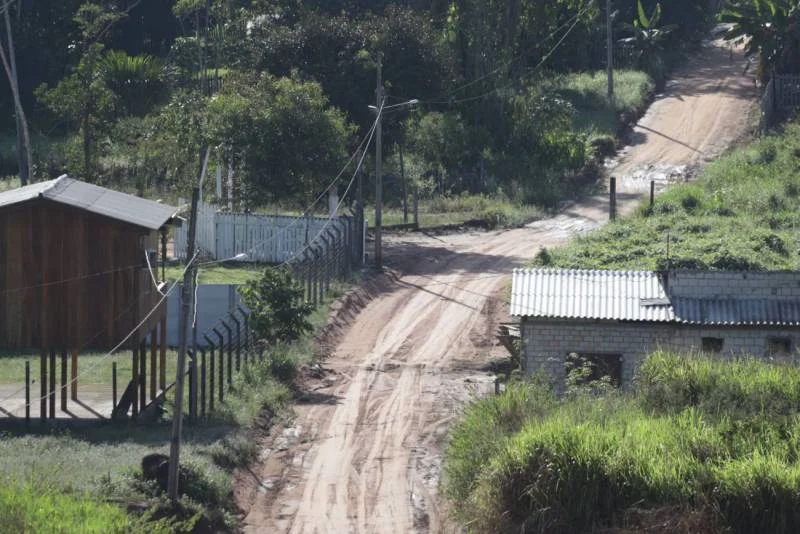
<point x="610" y="53"/>
<point x="186" y="296"/>
<point x="360" y="205"/>
<point x="378" y="165"/>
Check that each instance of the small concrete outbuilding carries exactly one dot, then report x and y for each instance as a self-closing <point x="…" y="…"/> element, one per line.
<point x="616" y="318"/>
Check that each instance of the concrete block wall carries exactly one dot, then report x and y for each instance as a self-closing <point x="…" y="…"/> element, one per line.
<point x="740" y="284"/>
<point x="548" y="342"/>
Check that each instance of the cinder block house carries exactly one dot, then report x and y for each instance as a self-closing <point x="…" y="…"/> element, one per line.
<point x="616" y="318"/>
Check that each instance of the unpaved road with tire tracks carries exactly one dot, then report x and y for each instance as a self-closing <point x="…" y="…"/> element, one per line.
<point x="364" y="451"/>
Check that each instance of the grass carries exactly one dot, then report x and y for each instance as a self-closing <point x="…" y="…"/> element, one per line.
<point x="98" y="466"/>
<point x="219" y="273"/>
<point x="488" y="211"/>
<point x="742" y="213"/>
<point x="588" y="94"/>
<point x="697" y="435"/>
<point x="29" y="510"/>
<point x="93" y="367"/>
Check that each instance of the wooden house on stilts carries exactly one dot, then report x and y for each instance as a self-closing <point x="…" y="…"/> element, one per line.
<point x="77" y="273"/>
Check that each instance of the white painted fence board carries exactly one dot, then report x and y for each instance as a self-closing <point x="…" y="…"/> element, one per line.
<point x="264" y="238"/>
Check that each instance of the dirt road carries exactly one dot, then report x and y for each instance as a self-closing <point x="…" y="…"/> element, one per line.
<point x="364" y="453"/>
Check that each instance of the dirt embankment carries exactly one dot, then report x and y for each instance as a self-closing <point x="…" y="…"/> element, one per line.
<point x="364" y="452"/>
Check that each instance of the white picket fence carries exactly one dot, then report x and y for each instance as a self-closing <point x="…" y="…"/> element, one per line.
<point x="264" y="238"/>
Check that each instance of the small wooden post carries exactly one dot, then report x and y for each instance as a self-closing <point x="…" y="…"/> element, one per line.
<point x="162" y="364"/>
<point x="612" y="205"/>
<point x="43" y="384"/>
<point x="74" y="375"/>
<point x="64" y="379"/>
<point x="652" y="193"/>
<point x="135" y="380"/>
<point x="27" y="393"/>
<point x="114" y="383"/>
<point x="153" y="363"/>
<point x="143" y="373"/>
<point x="52" y="393"/>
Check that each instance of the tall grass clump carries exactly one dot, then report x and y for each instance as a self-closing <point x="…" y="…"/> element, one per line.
<point x="699" y="437"/>
<point x="742" y="388"/>
<point x="25" y="509"/>
<point x="483" y="428"/>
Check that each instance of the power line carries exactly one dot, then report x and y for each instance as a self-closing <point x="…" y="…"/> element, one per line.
<point x="496" y="89"/>
<point x="438" y="99"/>
<point x="368" y="139"/>
<point x="352" y="179"/>
<point x="110" y="353"/>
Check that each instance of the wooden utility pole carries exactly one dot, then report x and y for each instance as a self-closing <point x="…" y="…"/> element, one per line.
<point x="186" y="296"/>
<point x="378" y="165"/>
<point x="610" y="53"/>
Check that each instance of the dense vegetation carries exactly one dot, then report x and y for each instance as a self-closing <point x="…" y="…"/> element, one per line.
<point x="701" y="445"/>
<point x="742" y="213"/>
<point x="129" y="92"/>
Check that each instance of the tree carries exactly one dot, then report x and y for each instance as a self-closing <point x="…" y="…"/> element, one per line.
<point x="10" y="66"/>
<point x="281" y="135"/>
<point x="277" y="310"/>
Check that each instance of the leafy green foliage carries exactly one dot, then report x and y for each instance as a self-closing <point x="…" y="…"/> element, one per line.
<point x="769" y="30"/>
<point x="280" y="134"/>
<point x="699" y="436"/>
<point x="278" y="312"/>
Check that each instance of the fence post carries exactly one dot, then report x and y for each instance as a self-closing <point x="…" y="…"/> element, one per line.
<point x="612" y="206"/>
<point x="210" y="374"/>
<point x="221" y="365"/>
<point x="114" y="383"/>
<point x="192" y="386"/>
<point x="27" y="393"/>
<point x="247" y="355"/>
<point x="314" y="269"/>
<point x="202" y="382"/>
<point x="229" y="330"/>
<point x="238" y="342"/>
<point x="329" y="243"/>
<point x="652" y="193"/>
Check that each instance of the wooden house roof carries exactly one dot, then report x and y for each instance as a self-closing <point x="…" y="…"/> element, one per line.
<point x="95" y="199"/>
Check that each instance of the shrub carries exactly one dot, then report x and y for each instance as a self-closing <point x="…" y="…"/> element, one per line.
<point x="277" y="309"/>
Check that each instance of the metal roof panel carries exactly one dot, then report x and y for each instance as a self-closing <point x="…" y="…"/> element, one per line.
<point x="589" y="294"/>
<point x="95" y="199"/>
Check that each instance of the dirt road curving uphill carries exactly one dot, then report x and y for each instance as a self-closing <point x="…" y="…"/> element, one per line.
<point x="364" y="452"/>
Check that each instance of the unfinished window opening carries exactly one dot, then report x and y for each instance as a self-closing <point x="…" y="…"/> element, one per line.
<point x="585" y="368"/>
<point x="713" y="344"/>
<point x="779" y="346"/>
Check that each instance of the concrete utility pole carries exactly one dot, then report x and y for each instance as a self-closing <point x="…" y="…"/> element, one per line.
<point x="186" y="297"/>
<point x="610" y="53"/>
<point x="378" y="166"/>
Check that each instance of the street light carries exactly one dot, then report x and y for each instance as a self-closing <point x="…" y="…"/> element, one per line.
<point x="379" y="164"/>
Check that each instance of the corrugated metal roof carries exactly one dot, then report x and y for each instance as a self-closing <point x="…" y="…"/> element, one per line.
<point x="737" y="311"/>
<point x="95" y="199"/>
<point x="585" y="294"/>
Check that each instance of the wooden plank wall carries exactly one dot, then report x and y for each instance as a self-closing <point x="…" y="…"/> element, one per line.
<point x="68" y="278"/>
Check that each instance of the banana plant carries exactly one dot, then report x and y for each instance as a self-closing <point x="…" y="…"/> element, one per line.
<point x="768" y="29"/>
<point x="648" y="38"/>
